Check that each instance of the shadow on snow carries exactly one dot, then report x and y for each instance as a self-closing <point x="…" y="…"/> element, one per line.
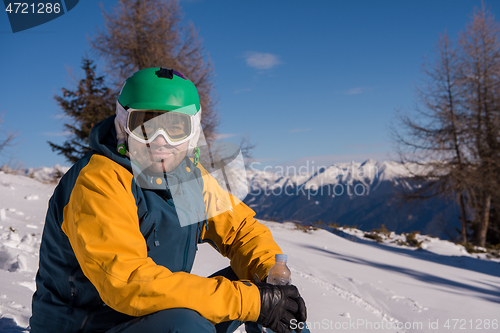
<point x="491" y="292"/>
<point x="464" y="262"/>
<point x="8" y="325"/>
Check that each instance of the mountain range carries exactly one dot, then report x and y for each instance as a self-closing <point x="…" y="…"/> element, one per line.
<point x="365" y="195"/>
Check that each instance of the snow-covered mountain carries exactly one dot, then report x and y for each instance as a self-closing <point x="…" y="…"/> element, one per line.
<point x="350" y="283"/>
<point x="353" y="194"/>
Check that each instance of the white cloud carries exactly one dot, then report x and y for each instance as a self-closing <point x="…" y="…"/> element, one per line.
<point x="261" y="60"/>
<point x="298" y="130"/>
<point x="260" y="160"/>
<point x="355" y="91"/>
<point x="237" y="91"/>
<point x="222" y="136"/>
<point x="64" y="133"/>
<point x="366" y="146"/>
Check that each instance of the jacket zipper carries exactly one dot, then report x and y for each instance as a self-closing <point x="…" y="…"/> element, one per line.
<point x="157" y="242"/>
<point x="187" y="249"/>
<point x="71" y="280"/>
<point x="197" y="232"/>
<point x="155" y="230"/>
<point x="88" y="315"/>
<point x="188" y="240"/>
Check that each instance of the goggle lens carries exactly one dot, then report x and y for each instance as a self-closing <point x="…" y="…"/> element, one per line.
<point x="144" y="124"/>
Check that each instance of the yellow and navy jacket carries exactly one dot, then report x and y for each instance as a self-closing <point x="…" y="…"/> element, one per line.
<point x="109" y="242"/>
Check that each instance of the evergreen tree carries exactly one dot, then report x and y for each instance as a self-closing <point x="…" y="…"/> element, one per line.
<point x="90" y="103"/>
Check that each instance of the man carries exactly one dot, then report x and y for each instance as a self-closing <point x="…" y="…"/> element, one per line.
<point x="123" y="225"/>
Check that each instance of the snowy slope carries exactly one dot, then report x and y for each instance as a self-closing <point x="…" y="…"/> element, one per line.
<point x="346" y="280"/>
<point x="23" y="204"/>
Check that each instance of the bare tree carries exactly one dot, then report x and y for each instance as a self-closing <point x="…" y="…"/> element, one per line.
<point x="480" y="75"/>
<point x="454" y="139"/>
<point x="7" y="137"/>
<point x="430" y="143"/>
<point x="247" y="148"/>
<point x="140" y="34"/>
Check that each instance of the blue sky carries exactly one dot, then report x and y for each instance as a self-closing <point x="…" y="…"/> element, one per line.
<point x="307" y="80"/>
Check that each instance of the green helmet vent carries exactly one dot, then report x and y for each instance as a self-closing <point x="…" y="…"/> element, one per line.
<point x="167" y="73"/>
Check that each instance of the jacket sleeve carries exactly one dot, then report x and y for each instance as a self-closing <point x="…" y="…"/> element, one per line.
<point x="236" y="234"/>
<point x="102" y="226"/>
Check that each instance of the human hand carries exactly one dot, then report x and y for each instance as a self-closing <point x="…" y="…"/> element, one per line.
<point x="279" y="306"/>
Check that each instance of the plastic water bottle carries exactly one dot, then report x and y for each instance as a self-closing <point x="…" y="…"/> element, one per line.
<point x="280" y="274"/>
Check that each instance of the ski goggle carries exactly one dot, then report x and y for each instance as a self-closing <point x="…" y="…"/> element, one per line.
<point x="146" y="125"/>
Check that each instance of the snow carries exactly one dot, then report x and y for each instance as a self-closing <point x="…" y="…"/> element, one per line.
<point x="23" y="204"/>
<point x="346" y="279"/>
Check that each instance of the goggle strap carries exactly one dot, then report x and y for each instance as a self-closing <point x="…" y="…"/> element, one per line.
<point x="196" y="156"/>
<point x="144" y="131"/>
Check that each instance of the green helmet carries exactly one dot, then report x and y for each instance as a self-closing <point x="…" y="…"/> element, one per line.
<point x="158" y="88"/>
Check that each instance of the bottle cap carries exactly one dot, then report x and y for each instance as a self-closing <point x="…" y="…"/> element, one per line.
<point x="281" y="257"/>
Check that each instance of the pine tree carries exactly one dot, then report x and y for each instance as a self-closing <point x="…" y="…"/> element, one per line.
<point x="90" y="103"/>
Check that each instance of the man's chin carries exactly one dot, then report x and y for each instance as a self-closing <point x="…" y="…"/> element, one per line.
<point x="156" y="163"/>
<point x="162" y="166"/>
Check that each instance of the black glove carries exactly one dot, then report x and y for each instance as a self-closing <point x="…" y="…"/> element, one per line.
<point x="279" y="306"/>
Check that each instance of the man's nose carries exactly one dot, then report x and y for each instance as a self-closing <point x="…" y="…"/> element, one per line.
<point x="160" y="141"/>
